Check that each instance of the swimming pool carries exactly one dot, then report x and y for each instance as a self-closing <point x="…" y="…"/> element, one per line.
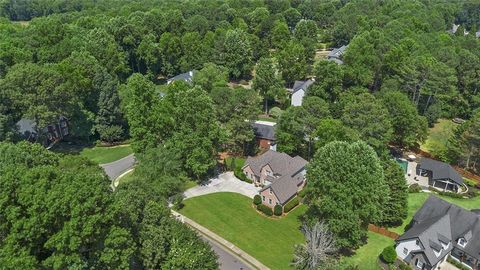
<point x="403" y="163"/>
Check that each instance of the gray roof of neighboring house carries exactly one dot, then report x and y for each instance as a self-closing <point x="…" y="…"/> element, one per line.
<point x="285" y="187"/>
<point x="437" y="221"/>
<point x="336" y="60"/>
<point x="26" y="125"/>
<point x="441" y="170"/>
<point x="337" y="52"/>
<point x="298" y="85"/>
<point x="264" y="131"/>
<point x="187" y="77"/>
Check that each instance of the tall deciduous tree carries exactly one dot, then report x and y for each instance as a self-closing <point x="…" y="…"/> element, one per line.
<point x="464" y="145"/>
<point x="268" y="82"/>
<point x="370" y="119"/>
<point x="237" y="54"/>
<point x="347" y="190"/>
<point x="409" y="128"/>
<point x="292" y="61"/>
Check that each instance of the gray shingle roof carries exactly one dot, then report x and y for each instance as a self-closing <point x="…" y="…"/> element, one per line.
<point x="298" y="85"/>
<point x="187" y="77"/>
<point x="438" y="221"/>
<point x="337" y="52"/>
<point x="441" y="170"/>
<point x="284" y="167"/>
<point x="264" y="131"/>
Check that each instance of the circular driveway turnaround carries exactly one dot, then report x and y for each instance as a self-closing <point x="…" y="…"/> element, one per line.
<point x="118" y="167"/>
<point x="225" y="182"/>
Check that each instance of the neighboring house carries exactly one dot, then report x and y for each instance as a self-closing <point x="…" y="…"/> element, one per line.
<point x="336" y="55"/>
<point x="437" y="230"/>
<point x="281" y="176"/>
<point x="265" y="135"/>
<point x="49" y="134"/>
<point x="299" y="90"/>
<point x="440" y="175"/>
<point x="454" y="29"/>
<point x="186" y="77"/>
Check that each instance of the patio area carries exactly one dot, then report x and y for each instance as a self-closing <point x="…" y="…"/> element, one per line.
<point x="413" y="175"/>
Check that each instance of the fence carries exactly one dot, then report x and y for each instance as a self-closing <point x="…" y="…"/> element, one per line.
<point x="383" y="231"/>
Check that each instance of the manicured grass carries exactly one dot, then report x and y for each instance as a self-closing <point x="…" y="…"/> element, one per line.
<point x="438" y="136"/>
<point x="366" y="256"/>
<point x="231" y="216"/>
<point x="416" y="200"/>
<point x="238" y="162"/>
<point x="102" y="155"/>
<point x="127" y="178"/>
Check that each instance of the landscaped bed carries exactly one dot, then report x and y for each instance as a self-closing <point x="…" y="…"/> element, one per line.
<point x="103" y="155"/>
<point x="233" y="217"/>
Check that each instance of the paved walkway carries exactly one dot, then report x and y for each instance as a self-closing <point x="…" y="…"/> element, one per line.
<point x="225" y="182"/>
<point x="224" y="244"/>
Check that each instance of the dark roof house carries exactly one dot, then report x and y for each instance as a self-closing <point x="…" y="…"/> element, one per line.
<point x="48" y="135"/>
<point x="336" y="55"/>
<point x="439" y="229"/>
<point x="299" y="90"/>
<point x="264" y="131"/>
<point x="186" y="77"/>
<point x="441" y="175"/>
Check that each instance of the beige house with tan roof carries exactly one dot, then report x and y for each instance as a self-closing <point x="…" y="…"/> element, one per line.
<point x="281" y="176"/>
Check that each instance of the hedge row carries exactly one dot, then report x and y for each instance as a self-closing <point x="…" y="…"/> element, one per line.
<point x="291" y="204"/>
<point x="277" y="210"/>
<point x="240" y="175"/>
<point x="265" y="209"/>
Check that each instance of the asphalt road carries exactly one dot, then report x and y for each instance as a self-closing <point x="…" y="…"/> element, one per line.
<point x="116" y="168"/>
<point x="226" y="260"/>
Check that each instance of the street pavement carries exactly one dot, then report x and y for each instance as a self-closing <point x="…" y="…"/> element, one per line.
<point x="226" y="260"/>
<point x="118" y="167"/>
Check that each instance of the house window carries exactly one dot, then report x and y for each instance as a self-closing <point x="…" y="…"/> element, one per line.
<point x="405" y="251"/>
<point x="270" y="201"/>
<point x="417" y="242"/>
<point x="462" y="242"/>
<point x="263" y="198"/>
<point x="270" y="190"/>
<point x="419" y="264"/>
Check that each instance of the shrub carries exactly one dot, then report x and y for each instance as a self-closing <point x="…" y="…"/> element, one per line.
<point x="456" y="263"/>
<point x="291" y="204"/>
<point x="403" y="266"/>
<point x="472" y="193"/>
<point x="469" y="182"/>
<point x="257" y="199"/>
<point x="265" y="209"/>
<point x="389" y="255"/>
<point x="276" y="112"/>
<point x="302" y="193"/>
<point x="277" y="210"/>
<point x="415" y="188"/>
<point x="240" y="175"/>
<point x="450" y="194"/>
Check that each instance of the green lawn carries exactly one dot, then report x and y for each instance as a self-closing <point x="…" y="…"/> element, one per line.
<point x="416" y="200"/>
<point x="231" y="216"/>
<point x="438" y="136"/>
<point x="366" y="256"/>
<point x="127" y="178"/>
<point x="102" y="155"/>
<point x="238" y="162"/>
<point x="267" y="119"/>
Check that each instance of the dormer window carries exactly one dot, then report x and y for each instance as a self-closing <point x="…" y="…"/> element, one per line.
<point x="462" y="242"/>
<point x="270" y="190"/>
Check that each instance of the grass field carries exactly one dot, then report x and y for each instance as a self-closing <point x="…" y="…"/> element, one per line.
<point x="102" y="155"/>
<point x="231" y="216"/>
<point x="366" y="256"/>
<point x="238" y="162"/>
<point x="416" y="200"/>
<point x="438" y="136"/>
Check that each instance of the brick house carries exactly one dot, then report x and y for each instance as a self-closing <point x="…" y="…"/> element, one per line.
<point x="265" y="135"/>
<point x="281" y="176"/>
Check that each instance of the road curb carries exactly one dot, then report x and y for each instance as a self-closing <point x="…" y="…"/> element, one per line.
<point x="231" y="247"/>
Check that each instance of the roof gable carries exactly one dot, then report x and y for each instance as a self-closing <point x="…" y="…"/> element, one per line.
<point x="441" y="170"/>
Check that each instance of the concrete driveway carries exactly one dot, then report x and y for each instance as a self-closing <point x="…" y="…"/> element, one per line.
<point x="116" y="168"/>
<point x="225" y="182"/>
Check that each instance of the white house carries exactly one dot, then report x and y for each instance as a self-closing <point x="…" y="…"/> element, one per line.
<point x="299" y="90"/>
